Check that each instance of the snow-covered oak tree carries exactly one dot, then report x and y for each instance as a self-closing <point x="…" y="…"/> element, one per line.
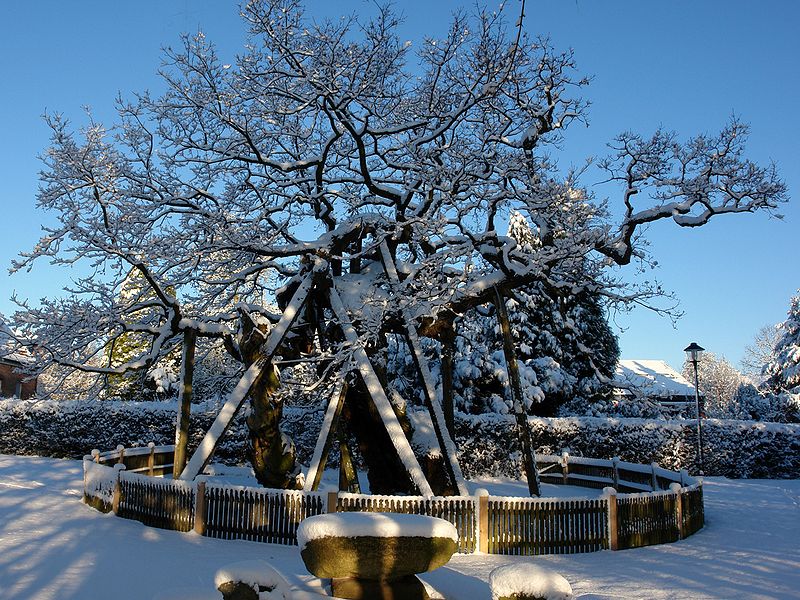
<point x="719" y="384"/>
<point x="323" y="141"/>
<point x="759" y="352"/>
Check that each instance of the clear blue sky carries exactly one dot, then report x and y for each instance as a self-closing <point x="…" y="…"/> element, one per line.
<point x="686" y="65"/>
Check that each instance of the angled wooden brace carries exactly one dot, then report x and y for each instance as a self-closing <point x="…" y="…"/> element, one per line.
<point x="208" y="445"/>
<point x="432" y="401"/>
<point x="378" y="395"/>
<point x="326" y="436"/>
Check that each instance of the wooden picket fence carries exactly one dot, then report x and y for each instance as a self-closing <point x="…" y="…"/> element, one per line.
<point x="459" y="510"/>
<point x="156" y="502"/>
<point x="524" y="526"/>
<point x="663" y="506"/>
<point x="255" y="514"/>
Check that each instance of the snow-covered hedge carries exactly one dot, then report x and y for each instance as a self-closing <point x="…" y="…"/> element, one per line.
<point x="488" y="443"/>
<point x="72" y="429"/>
<point x="735" y="449"/>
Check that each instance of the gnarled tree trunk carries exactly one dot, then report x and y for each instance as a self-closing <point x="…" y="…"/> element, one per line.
<point x="271" y="451"/>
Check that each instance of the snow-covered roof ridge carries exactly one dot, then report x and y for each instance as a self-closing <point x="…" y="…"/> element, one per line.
<point x="652" y="377"/>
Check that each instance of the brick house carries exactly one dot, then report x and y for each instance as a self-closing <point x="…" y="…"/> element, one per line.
<point x="13" y="384"/>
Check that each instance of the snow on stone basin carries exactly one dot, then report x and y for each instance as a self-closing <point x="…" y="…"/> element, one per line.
<point x="528" y="581"/>
<point x="358" y="524"/>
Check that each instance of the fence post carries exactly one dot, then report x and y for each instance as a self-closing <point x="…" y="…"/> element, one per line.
<point x="676" y="487"/>
<point x="615" y="471"/>
<point x="333" y="501"/>
<point x="565" y="466"/>
<point x="121" y="450"/>
<point x="610" y="494"/>
<point x="483" y="520"/>
<point x="200" y="507"/>
<point x="151" y="460"/>
<point x="96" y="455"/>
<point x="684" y="477"/>
<point x="116" y="498"/>
<point x="654" y="481"/>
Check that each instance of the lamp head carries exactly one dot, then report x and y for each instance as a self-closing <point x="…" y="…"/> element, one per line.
<point x="693" y="352"/>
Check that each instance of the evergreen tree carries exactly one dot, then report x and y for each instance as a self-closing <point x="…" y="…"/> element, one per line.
<point x="565" y="347"/>
<point x="782" y="372"/>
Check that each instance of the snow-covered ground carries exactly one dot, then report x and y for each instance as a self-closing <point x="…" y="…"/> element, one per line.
<point x="52" y="546"/>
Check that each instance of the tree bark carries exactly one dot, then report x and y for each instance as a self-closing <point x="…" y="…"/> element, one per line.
<point x="271" y="452"/>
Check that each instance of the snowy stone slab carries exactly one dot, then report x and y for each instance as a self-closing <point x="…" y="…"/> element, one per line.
<point x="255" y="573"/>
<point x="528" y="581"/>
<point x="387" y="525"/>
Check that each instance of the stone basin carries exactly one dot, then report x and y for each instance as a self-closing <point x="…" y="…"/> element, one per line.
<point x="377" y="546"/>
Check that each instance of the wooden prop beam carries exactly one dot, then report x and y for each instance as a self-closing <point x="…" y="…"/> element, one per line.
<point x="448" y="341"/>
<point x="236" y="399"/>
<point x="523" y="431"/>
<point x="182" y="425"/>
<point x="325" y="438"/>
<point x="432" y="401"/>
<point x="378" y="395"/>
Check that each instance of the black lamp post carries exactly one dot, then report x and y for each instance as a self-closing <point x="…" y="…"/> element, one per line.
<point x="693" y="352"/>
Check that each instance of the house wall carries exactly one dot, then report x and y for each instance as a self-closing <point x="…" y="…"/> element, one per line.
<point x="11" y="384"/>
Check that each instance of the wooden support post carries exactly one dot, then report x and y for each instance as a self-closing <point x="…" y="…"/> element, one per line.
<point x="86" y="459"/>
<point x="615" y="472"/>
<point x="378" y="395"/>
<point x="610" y="494"/>
<point x="447" y="340"/>
<point x="120" y="454"/>
<point x="432" y="401"/>
<point x="678" y="490"/>
<point x="654" y="481"/>
<point x="200" y="508"/>
<point x="523" y="430"/>
<point x="333" y="501"/>
<point x="565" y="467"/>
<point x="116" y="497"/>
<point x="96" y="455"/>
<point x="151" y="459"/>
<point x="182" y="424"/>
<point x="325" y="438"/>
<point x="483" y="521"/>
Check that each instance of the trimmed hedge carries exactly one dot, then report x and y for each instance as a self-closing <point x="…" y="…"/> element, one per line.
<point x="74" y="428"/>
<point x="734" y="449"/>
<point x="487" y="443"/>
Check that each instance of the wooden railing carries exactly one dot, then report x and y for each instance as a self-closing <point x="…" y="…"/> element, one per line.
<point x="665" y="506"/>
